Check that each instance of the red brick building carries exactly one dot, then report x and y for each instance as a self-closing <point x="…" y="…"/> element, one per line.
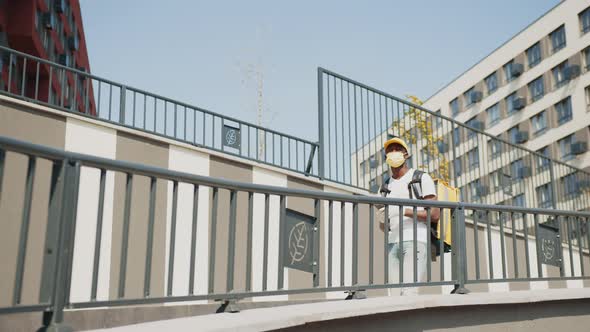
<point x="51" y="30"/>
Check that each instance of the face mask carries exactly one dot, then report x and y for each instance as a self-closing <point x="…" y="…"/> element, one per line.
<point x="395" y="159"/>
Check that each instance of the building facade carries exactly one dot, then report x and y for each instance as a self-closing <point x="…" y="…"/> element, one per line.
<point x="51" y="30"/>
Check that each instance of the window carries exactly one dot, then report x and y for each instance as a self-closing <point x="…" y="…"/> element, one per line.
<point x="515" y="168"/>
<point x="537" y="89"/>
<point x="492" y="83"/>
<point x="472" y="123"/>
<point x="565" y="147"/>
<point x="496" y="178"/>
<point x="510" y="103"/>
<point x="364" y="168"/>
<point x="495" y="148"/>
<point x="457" y="166"/>
<point x="539" y="123"/>
<point x="473" y="158"/>
<point x="558" y="39"/>
<point x="454" y="107"/>
<point x="508" y="71"/>
<point x="373" y="185"/>
<point x="534" y="55"/>
<point x="467" y="97"/>
<point x="518" y="200"/>
<point x="456" y="136"/>
<point x="474" y="189"/>
<point x="544" y="196"/>
<point x="512" y="134"/>
<point x="587" y="58"/>
<point x="559" y="74"/>
<point x="585" y="20"/>
<point x="564" y="111"/>
<point x="587" y="91"/>
<point x="437" y="120"/>
<point x="570" y="185"/>
<point x="372" y="162"/>
<point x="543" y="162"/>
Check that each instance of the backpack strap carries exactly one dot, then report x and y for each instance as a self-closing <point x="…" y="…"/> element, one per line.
<point x="384" y="190"/>
<point x="415" y="186"/>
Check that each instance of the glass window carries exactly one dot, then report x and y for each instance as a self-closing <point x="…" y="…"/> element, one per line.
<point x="559" y="74"/>
<point x="510" y="103"/>
<point x="539" y="123"/>
<point x="570" y="185"/>
<point x="467" y="97"/>
<point x="587" y="58"/>
<point x="545" y="196"/>
<point x="473" y="123"/>
<point x="515" y="166"/>
<point x="585" y="20"/>
<point x="474" y="189"/>
<point x="496" y="179"/>
<point x="495" y="148"/>
<point x="587" y="90"/>
<point x="537" y="88"/>
<point x="512" y="133"/>
<point x="558" y="38"/>
<point x="473" y="158"/>
<point x="542" y="162"/>
<point x="518" y="200"/>
<point x="492" y="83"/>
<point x="454" y="107"/>
<point x="565" y="147"/>
<point x="437" y="120"/>
<point x="456" y="137"/>
<point x="372" y="162"/>
<point x="493" y="113"/>
<point x="564" y="111"/>
<point x="457" y="166"/>
<point x="508" y="71"/>
<point x="534" y="55"/>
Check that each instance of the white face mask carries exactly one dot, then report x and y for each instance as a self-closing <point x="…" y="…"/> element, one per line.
<point x="395" y="159"/>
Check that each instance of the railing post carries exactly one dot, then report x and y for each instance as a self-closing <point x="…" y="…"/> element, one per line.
<point x="459" y="255"/>
<point x="320" y="124"/>
<point x="122" y="105"/>
<point x="553" y="183"/>
<point x="53" y="320"/>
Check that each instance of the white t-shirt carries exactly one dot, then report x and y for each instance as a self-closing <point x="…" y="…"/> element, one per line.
<point x="399" y="189"/>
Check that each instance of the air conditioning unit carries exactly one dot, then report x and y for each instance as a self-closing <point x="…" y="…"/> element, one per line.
<point x="476" y="96"/>
<point x="49" y="21"/>
<point x="59" y="5"/>
<point x="519" y="103"/>
<point x="442" y="147"/>
<point x="579" y="148"/>
<point x="482" y="190"/>
<point x="524" y="172"/>
<point x="572" y="72"/>
<point x="517" y="69"/>
<point x="522" y="137"/>
<point x="73" y="43"/>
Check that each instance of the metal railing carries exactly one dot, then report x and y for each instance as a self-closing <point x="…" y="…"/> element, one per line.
<point x="75" y="90"/>
<point x="355" y="120"/>
<point x="249" y="262"/>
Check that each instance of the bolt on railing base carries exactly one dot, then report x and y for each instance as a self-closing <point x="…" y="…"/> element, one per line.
<point x="460" y="290"/>
<point x="228" y="306"/>
<point x="356" y="295"/>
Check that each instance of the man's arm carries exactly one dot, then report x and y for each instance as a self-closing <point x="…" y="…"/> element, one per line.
<point x="423" y="215"/>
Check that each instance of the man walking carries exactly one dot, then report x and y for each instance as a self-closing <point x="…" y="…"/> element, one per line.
<point x="408" y="183"/>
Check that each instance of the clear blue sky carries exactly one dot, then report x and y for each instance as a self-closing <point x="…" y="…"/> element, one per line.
<point x="198" y="51"/>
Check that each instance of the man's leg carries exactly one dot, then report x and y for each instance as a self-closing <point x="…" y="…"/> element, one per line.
<point x="393" y="270"/>
<point x="409" y="260"/>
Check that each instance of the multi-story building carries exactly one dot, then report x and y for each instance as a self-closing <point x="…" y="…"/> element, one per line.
<point x="51" y="30"/>
<point x="533" y="91"/>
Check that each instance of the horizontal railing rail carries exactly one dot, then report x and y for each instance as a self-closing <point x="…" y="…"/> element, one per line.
<point x="74" y="90"/>
<point x="218" y="239"/>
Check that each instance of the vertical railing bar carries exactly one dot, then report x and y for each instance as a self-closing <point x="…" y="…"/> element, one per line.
<point x="349" y="129"/>
<point x="249" y="241"/>
<point x="490" y="248"/>
<point x="125" y="237"/>
<point x="24" y="79"/>
<point x="371" y="240"/>
<point x="184" y="133"/>
<point x="10" y="57"/>
<point x="86" y="91"/>
<point x="24" y="231"/>
<point x="355" y="242"/>
<point x="330" y="240"/>
<point x="191" y="279"/>
<point x="356" y="153"/>
<point x="580" y="246"/>
<point x="134" y="104"/>
<point x="2" y="160"/>
<point x="569" y="244"/>
<point x="428" y="242"/>
<point x="166" y="118"/>
<point x="502" y="244"/>
<point x="415" y="240"/>
<point x="316" y="243"/>
<point x="280" y="279"/>
<point x="514" y="244"/>
<point x="74" y="101"/>
<point x="172" y="245"/>
<point x="386" y="276"/>
<point x="110" y="100"/>
<point x="233" y="199"/>
<point x="213" y="239"/>
<point x="441" y="246"/>
<point x="342" y="241"/>
<point x="538" y="246"/>
<point x="364" y="160"/>
<point x="144" y="111"/>
<point x="63" y="82"/>
<point x="265" y="249"/>
<point x="155" y="114"/>
<point x="204" y="118"/>
<point x="98" y="238"/>
<point x="560" y="251"/>
<point x="50" y="86"/>
<point x="37" y="82"/>
<point x="342" y="132"/>
<point x="526" y="245"/>
<point x="329" y="146"/>
<point x="150" y="237"/>
<point x="400" y="256"/>
<point x="476" y="242"/>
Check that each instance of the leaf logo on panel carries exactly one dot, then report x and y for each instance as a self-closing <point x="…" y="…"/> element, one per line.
<point x="298" y="242"/>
